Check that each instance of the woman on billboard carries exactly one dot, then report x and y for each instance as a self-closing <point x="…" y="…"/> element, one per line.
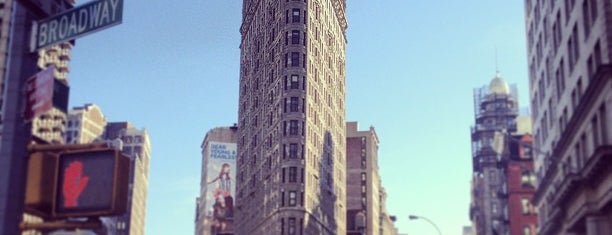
<point x="223" y="209"/>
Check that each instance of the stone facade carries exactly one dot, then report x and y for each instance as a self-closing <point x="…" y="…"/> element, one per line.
<point x="570" y="76"/>
<point x="291" y="118"/>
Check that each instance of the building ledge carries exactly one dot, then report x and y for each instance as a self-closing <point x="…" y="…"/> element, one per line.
<point x="598" y="163"/>
<point x="551" y="225"/>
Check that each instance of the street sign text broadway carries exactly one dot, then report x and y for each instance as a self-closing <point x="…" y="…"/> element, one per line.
<point x="76" y="22"/>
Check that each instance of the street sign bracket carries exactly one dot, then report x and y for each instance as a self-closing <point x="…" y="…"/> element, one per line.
<point x="33" y="36"/>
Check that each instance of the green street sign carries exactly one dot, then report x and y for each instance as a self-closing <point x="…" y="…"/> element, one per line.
<point x="77" y="22"/>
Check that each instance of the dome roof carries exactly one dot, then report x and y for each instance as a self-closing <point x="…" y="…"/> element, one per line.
<point x="498" y="86"/>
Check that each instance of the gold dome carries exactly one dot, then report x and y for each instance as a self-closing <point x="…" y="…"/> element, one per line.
<point x="498" y="86"/>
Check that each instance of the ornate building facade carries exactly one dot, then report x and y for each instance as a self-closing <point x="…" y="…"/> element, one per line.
<point x="570" y="75"/>
<point x="291" y="118"/>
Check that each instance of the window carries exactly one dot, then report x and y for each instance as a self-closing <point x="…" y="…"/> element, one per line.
<point x="282" y="225"/>
<point x="560" y="75"/>
<point x="603" y="123"/>
<point x="597" y="56"/>
<point x="527" y="152"/>
<point x="282" y="198"/>
<point x="292" y="198"/>
<point x="295" y="59"/>
<point x="586" y="13"/>
<point x="527" y="230"/>
<point x="295" y="37"/>
<point x="295" y="15"/>
<point x="293" y="127"/>
<point x="292" y="226"/>
<point x="573" y="48"/>
<point x="286" y="60"/>
<point x="527" y="208"/>
<point x="294" y="104"/>
<point x="528" y="179"/>
<point x="295" y="84"/>
<point x="292" y="150"/>
<point x="593" y="10"/>
<point x="292" y="174"/>
<point x="301" y="201"/>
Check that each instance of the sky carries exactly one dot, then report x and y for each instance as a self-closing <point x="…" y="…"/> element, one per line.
<point x="172" y="67"/>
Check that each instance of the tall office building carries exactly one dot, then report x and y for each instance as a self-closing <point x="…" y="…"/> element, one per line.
<point x="86" y="124"/>
<point x="50" y="125"/>
<point x="137" y="146"/>
<point x="495" y="110"/>
<point x="215" y="205"/>
<point x="291" y="127"/>
<point x="363" y="183"/>
<point x="365" y="196"/>
<point x="569" y="54"/>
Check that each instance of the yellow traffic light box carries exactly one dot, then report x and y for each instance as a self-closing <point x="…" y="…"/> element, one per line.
<point x="77" y="181"/>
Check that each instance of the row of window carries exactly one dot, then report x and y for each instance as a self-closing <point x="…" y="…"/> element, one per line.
<point x="590" y="13"/>
<point x="290" y="175"/>
<point x="293" y="82"/>
<point x="293" y="59"/>
<point x="295" y="16"/>
<point x="291" y="151"/>
<point x="293" y="105"/>
<point x="363" y="153"/>
<point x="290" y="199"/>
<point x="292" y="128"/>
<point x="292" y="226"/>
<point x="587" y="143"/>
<point x="527" y="207"/>
<point x="547" y="117"/>
<point x="294" y="37"/>
<point x="583" y="147"/>
<point x="364" y="194"/>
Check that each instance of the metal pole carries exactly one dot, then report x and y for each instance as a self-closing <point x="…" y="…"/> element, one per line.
<point x="15" y="133"/>
<point x="412" y="217"/>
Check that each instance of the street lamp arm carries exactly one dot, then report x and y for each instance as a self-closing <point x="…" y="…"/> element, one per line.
<point x="412" y="217"/>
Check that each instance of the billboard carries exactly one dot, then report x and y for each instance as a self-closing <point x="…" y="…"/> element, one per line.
<point x="221" y="186"/>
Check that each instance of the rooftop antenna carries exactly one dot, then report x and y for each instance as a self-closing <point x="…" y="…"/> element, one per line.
<point x="496" y="67"/>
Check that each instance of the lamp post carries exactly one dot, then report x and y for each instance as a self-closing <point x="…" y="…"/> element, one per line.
<point x="414" y="217"/>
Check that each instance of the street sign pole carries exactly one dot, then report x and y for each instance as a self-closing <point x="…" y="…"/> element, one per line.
<point x="21" y="64"/>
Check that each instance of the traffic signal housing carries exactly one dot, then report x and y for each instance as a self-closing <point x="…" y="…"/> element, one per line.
<point x="91" y="183"/>
<point x="77" y="181"/>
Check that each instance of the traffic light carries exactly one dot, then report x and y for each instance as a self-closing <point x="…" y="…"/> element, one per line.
<point x="40" y="184"/>
<point x="76" y="181"/>
<point x="91" y="183"/>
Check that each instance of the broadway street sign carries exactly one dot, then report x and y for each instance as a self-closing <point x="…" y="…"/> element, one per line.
<point x="77" y="22"/>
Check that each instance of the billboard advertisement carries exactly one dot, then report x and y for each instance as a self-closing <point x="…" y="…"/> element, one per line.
<point x="220" y="188"/>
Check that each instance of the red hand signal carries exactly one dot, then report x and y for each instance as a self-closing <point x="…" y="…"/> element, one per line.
<point x="74" y="183"/>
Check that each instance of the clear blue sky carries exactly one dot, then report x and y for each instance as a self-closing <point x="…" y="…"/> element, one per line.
<point x="172" y="67"/>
